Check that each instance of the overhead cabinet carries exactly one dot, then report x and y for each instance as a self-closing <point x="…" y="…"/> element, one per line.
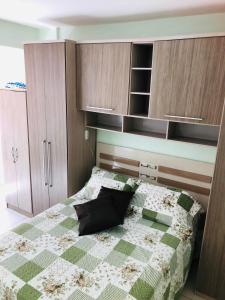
<point x="103" y="77"/>
<point x="60" y="158"/>
<point x="188" y="80"/>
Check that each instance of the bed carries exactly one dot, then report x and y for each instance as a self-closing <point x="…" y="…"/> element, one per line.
<point x="142" y="259"/>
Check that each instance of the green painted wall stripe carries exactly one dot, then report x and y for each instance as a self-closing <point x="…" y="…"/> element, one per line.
<point x="179" y="149"/>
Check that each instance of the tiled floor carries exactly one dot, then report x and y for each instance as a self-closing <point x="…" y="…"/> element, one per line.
<point x="10" y="219"/>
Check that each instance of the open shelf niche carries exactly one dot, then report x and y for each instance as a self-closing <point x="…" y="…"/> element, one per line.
<point x="104" y="121"/>
<point x="146" y="127"/>
<point x="194" y="133"/>
<point x="140" y="87"/>
<point x="139" y="125"/>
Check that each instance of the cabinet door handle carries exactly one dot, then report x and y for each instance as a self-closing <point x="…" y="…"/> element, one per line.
<point x="45" y="162"/>
<point x="182" y="117"/>
<point x="100" y="108"/>
<point x="13" y="155"/>
<point x="50" y="164"/>
<point x="17" y="155"/>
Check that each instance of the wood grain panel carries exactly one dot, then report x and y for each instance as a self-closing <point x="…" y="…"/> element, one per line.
<point x="211" y="272"/>
<point x="36" y="107"/>
<point x="7" y="135"/>
<point x="103" y="76"/>
<point x="21" y="143"/>
<point x="119" y="170"/>
<point x="81" y="153"/>
<point x="183" y="185"/>
<point x="55" y="95"/>
<point x="187" y="75"/>
<point x="185" y="174"/>
<point x="119" y="159"/>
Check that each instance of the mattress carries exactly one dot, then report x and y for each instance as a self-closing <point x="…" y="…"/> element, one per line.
<point x="45" y="258"/>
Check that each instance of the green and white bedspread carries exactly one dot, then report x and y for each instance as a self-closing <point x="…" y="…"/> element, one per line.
<point x="46" y="259"/>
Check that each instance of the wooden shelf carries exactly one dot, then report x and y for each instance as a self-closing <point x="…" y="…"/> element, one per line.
<point x="104" y="121"/>
<point x="140" y="93"/>
<point x="148" y="133"/>
<point x="105" y="127"/>
<point x="141" y="69"/>
<point x="193" y="133"/>
<point x="195" y="141"/>
<point x="145" y="127"/>
<point x="142" y="55"/>
<point x="139" y="104"/>
<point x="140" y="87"/>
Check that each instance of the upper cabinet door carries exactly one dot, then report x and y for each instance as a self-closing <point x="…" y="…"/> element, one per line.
<point x="188" y="82"/>
<point x="103" y="77"/>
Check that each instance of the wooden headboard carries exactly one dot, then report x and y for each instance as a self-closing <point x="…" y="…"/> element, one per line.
<point x="193" y="176"/>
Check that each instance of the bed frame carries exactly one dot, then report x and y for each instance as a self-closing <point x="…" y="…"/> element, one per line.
<point x="177" y="172"/>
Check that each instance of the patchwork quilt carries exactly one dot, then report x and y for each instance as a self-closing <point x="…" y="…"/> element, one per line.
<point x="45" y="258"/>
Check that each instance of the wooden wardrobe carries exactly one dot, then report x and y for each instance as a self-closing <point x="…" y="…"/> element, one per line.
<point x="15" y="150"/>
<point x="211" y="274"/>
<point x="60" y="158"/>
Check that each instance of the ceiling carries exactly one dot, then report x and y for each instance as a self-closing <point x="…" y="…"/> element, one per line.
<point x="87" y="12"/>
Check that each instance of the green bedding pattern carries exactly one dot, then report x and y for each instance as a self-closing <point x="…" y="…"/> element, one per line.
<point x="46" y="259"/>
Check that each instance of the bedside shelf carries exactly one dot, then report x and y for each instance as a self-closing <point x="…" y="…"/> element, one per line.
<point x="141" y="69"/>
<point x="139" y="124"/>
<point x="193" y="133"/>
<point x="140" y="93"/>
<point x="146" y="127"/>
<point x="104" y="121"/>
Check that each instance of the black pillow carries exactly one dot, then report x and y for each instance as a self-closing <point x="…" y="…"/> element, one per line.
<point x="96" y="215"/>
<point x="121" y="200"/>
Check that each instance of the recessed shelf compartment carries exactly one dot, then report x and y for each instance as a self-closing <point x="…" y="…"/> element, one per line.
<point x="194" y="133"/>
<point x="142" y="55"/>
<point x="139" y="105"/>
<point x="104" y="121"/>
<point x="146" y="127"/>
<point x="140" y="81"/>
<point x="140" y="78"/>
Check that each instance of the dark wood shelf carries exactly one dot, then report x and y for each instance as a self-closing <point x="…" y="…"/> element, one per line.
<point x="145" y="127"/>
<point x="140" y="93"/>
<point x="194" y="141"/>
<point x="141" y="69"/>
<point x="193" y="133"/>
<point x="104" y="121"/>
<point x="105" y="127"/>
<point x="148" y="133"/>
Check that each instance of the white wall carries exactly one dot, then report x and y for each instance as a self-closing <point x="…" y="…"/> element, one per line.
<point x="11" y="65"/>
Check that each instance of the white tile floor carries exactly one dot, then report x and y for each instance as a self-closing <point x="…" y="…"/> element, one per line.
<point x="10" y="219"/>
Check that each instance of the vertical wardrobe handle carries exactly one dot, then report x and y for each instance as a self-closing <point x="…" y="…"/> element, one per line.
<point x="50" y="164"/>
<point x="45" y="161"/>
<point x="13" y="155"/>
<point x="17" y="155"/>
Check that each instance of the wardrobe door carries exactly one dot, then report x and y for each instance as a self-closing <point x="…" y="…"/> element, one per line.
<point x="55" y="92"/>
<point x="36" y="105"/>
<point x="211" y="271"/>
<point x="7" y="115"/>
<point x="22" y="153"/>
<point x="188" y="80"/>
<point x="103" y="76"/>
